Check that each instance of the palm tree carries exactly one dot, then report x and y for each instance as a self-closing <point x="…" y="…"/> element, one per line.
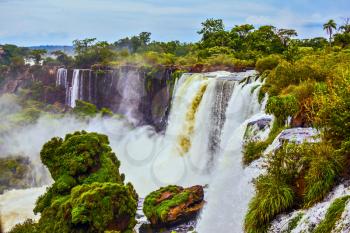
<point x="329" y="26"/>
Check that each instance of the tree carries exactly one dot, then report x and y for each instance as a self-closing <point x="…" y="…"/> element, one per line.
<point x="345" y="28"/>
<point x="63" y="58"/>
<point x="145" y="37"/>
<point x="81" y="46"/>
<point x="242" y="30"/>
<point x="211" y="26"/>
<point x="285" y="35"/>
<point x="37" y="54"/>
<point x="328" y="27"/>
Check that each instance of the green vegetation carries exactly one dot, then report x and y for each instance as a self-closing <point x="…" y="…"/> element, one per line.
<point x="333" y="214"/>
<point x="282" y="107"/>
<point x="88" y="194"/>
<point x="305" y="79"/>
<point x="15" y="173"/>
<point x="157" y="210"/>
<point x="253" y="149"/>
<point x="172" y="204"/>
<point x="273" y="197"/>
<point x="297" y="175"/>
<point x="293" y="223"/>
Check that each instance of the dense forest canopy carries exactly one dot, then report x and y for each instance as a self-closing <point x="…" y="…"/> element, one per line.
<point x="240" y="44"/>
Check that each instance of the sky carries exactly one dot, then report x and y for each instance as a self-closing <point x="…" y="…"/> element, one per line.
<point x="59" y="22"/>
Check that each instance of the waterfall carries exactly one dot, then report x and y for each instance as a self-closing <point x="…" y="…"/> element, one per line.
<point x="230" y="189"/>
<point x="201" y="144"/>
<point x="131" y="88"/>
<point x="75" y="89"/>
<point x="61" y="77"/>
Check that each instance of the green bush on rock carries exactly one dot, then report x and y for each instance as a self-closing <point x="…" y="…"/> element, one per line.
<point x="15" y="172"/>
<point x="88" y="194"/>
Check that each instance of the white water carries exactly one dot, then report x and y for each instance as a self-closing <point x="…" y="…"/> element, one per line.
<point x="61" y="78"/>
<point x="151" y="160"/>
<point x="131" y="87"/>
<point x="231" y="189"/>
<point x="75" y="89"/>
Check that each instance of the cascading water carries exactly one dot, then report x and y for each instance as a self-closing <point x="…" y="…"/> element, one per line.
<point x="131" y="88"/>
<point x="61" y="78"/>
<point x="201" y="145"/>
<point x="75" y="89"/>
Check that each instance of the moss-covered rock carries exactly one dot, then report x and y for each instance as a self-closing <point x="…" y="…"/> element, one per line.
<point x="173" y="204"/>
<point x="88" y="194"/>
<point x="95" y="207"/>
<point x="15" y="173"/>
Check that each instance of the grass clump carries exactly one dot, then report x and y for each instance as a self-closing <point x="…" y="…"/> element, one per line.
<point x="333" y="214"/>
<point x="273" y="197"/>
<point x="293" y="223"/>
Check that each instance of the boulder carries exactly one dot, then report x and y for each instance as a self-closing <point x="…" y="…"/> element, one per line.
<point x="173" y="205"/>
<point x="88" y="193"/>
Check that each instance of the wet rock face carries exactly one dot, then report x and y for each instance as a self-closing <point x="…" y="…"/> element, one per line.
<point x="172" y="205"/>
<point x="255" y="129"/>
<point x="299" y="135"/>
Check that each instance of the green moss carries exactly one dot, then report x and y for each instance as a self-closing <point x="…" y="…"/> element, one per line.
<point x="333" y="214"/>
<point x="152" y="209"/>
<point x="88" y="194"/>
<point x="94" y="207"/>
<point x="253" y="150"/>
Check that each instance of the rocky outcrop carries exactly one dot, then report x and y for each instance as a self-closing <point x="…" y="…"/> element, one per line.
<point x="299" y="135"/>
<point x="88" y="193"/>
<point x="173" y="205"/>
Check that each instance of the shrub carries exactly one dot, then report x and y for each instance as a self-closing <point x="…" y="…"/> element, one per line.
<point x="84" y="109"/>
<point x="28" y="226"/>
<point x="282" y="107"/>
<point x="267" y="63"/>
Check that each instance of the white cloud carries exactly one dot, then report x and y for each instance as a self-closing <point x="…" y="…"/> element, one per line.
<point x="60" y="22"/>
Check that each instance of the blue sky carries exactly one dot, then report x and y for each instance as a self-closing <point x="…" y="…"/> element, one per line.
<point x="59" y="22"/>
